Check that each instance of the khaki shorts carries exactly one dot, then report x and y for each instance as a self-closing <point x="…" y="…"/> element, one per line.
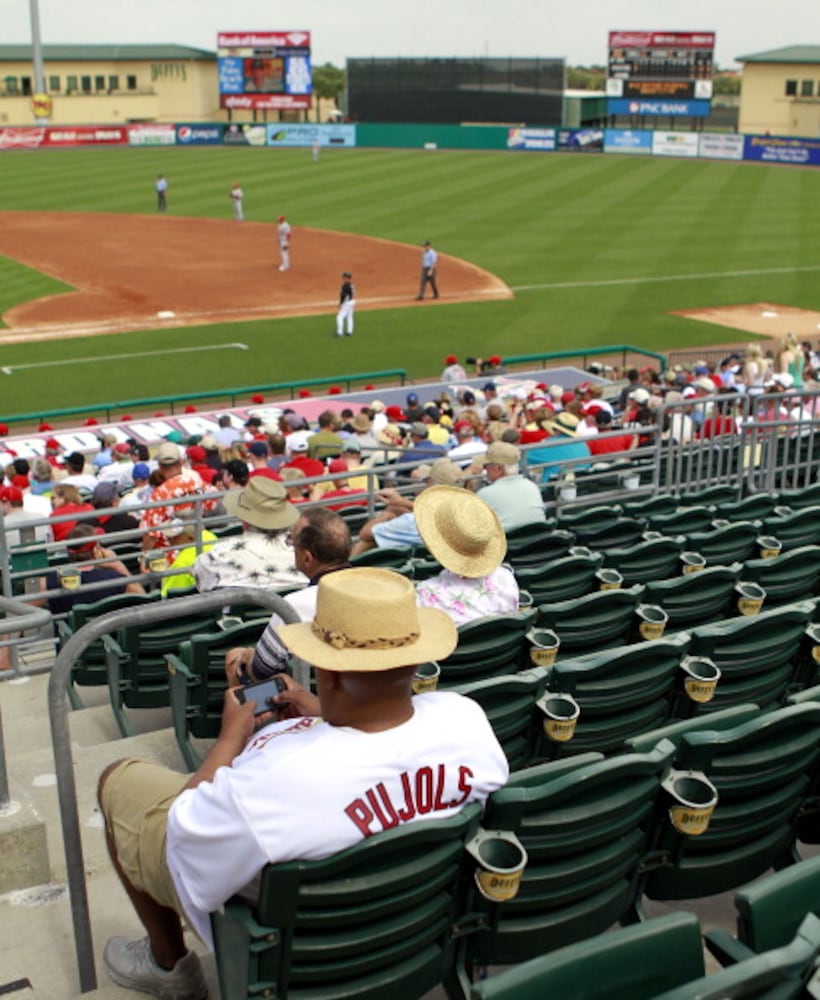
<point x="135" y="801"/>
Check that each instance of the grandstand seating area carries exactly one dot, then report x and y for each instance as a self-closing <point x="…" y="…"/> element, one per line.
<point x="399" y="915"/>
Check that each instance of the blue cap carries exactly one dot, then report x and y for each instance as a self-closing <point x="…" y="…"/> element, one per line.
<point x="141" y="471"/>
<point x="412" y="398"/>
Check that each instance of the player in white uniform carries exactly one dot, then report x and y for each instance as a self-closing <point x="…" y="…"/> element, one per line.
<point x="347" y="305"/>
<point x="283" y="229"/>
<point x="236" y="201"/>
<point x="364" y="757"/>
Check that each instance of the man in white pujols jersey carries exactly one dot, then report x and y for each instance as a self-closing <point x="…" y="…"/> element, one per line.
<point x="340" y="766"/>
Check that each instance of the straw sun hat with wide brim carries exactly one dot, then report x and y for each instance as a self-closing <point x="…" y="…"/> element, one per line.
<point x="367" y="619"/>
<point x="263" y="504"/>
<point x="461" y="531"/>
<point x="562" y="423"/>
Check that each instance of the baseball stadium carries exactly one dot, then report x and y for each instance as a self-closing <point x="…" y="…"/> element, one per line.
<point x="654" y="692"/>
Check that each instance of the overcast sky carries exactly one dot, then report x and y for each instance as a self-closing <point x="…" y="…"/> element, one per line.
<point x="574" y="31"/>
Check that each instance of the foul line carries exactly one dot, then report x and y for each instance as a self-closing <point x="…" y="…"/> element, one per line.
<point x="665" y="277"/>
<point x="8" y="369"/>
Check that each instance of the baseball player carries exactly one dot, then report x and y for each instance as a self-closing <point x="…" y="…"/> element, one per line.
<point x="284" y="243"/>
<point x="347" y="305"/>
<point x="429" y="259"/>
<point x="236" y="200"/>
<point x="161" y="187"/>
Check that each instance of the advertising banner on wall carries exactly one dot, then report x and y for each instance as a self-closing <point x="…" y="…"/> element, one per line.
<point x="307" y="135"/>
<point x="75" y="135"/>
<point x="627" y="140"/>
<point x="720" y="146"/>
<point x="244" y="135"/>
<point x="264" y="70"/>
<point x="674" y="143"/>
<point x="152" y="135"/>
<point x="531" y="138"/>
<point x="199" y="135"/>
<point x="774" y="149"/>
<point x="677" y="109"/>
<point x="580" y="140"/>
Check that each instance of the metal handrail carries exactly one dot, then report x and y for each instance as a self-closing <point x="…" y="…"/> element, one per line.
<point x="61" y="740"/>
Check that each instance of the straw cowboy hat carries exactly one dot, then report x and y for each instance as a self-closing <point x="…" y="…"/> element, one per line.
<point x="367" y="620"/>
<point x="460" y="529"/>
<point x="263" y="503"/>
<point x="562" y="423"/>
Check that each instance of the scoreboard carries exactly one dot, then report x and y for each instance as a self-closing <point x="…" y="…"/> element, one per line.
<point x="264" y="70"/>
<point x="660" y="64"/>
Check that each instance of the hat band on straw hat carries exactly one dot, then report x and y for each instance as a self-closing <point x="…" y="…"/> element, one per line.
<point x="339" y="640"/>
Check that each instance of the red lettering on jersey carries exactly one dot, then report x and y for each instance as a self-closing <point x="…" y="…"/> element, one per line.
<point x="409" y="809"/>
<point x="386" y="821"/>
<point x="424" y="790"/>
<point x="440" y="779"/>
<point x="464" y="786"/>
<point x="361" y="816"/>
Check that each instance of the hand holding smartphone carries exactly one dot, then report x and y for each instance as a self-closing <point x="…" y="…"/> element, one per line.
<point x="261" y="693"/>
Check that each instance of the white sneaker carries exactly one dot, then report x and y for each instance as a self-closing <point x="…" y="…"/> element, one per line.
<point x="131" y="964"/>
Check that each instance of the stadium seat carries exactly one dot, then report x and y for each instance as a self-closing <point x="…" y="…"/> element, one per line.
<point x="621" y="692"/>
<point x="794" y="528"/>
<point x="756" y="507"/>
<point x="560" y="579"/>
<point x="586" y="825"/>
<point x="725" y="544"/>
<point x="674" y="731"/>
<point x="377" y="921"/>
<point x="763" y="771"/>
<point x="588" y="518"/>
<point x="135" y="661"/>
<point x="808" y="496"/>
<point x="487" y="647"/>
<point x="630" y="963"/>
<point x="791" y="576"/>
<point x="599" y="620"/>
<point x="662" y="503"/>
<point x="535" y="544"/>
<point x="756" y="655"/>
<point x="196" y="675"/>
<point x="683" y="520"/>
<point x="709" y="495"/>
<point x="620" y="533"/>
<point x="389" y="557"/>
<point x="696" y="598"/>
<point x="509" y="704"/>
<point x="90" y="669"/>
<point x="653" y="559"/>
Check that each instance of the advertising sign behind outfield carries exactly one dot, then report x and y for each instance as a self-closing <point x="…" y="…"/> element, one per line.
<point x="676" y="109"/>
<point x="151" y="135"/>
<point x="773" y="149"/>
<point x="261" y="70"/>
<point x="585" y="140"/>
<point x="627" y="140"/>
<point x="719" y="146"/>
<point x="199" y="135"/>
<point x="244" y="135"/>
<point x="307" y="135"/>
<point x="674" y="144"/>
<point x="531" y="138"/>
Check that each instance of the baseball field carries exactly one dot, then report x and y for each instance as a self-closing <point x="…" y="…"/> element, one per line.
<point x="538" y="253"/>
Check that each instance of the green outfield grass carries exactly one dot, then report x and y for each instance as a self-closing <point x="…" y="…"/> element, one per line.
<point x="598" y="250"/>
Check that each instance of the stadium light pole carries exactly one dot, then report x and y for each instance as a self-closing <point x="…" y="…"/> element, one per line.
<point x="37" y="48"/>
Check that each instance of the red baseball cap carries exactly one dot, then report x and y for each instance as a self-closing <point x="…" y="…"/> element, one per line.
<point x="11" y="494"/>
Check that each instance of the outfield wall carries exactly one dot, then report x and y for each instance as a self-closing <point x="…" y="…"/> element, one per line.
<point x="632" y="142"/>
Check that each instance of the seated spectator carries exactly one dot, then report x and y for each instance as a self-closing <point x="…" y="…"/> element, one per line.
<point x="396" y="525"/>
<point x="140" y="491"/>
<point x="421" y="449"/>
<point x="177" y="484"/>
<point x="326" y="442"/>
<point x="225" y="433"/>
<point x="77" y="476"/>
<point x="296" y="445"/>
<point x="352" y="454"/>
<point x="340" y="489"/>
<point x="453" y="371"/>
<point x="554" y="458"/>
<point x="258" y="455"/>
<point x="263" y="555"/>
<point x="516" y="500"/>
<point x="609" y="445"/>
<point x="104" y="456"/>
<point x="106" y="495"/>
<point x="181" y="534"/>
<point x="15" y="517"/>
<point x="321" y="542"/>
<point x="293" y="481"/>
<point x="276" y="451"/>
<point x="469" y="445"/>
<point x="202" y="838"/>
<point x="465" y="535"/>
<point x="82" y="546"/>
<point x="198" y="458"/>
<point x="121" y="468"/>
<point x="66" y="499"/>
<point x="41" y="479"/>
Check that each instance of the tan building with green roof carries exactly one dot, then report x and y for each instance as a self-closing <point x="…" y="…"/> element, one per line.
<point x="112" y="84"/>
<point x="780" y="94"/>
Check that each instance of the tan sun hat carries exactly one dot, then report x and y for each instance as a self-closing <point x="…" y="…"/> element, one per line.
<point x="562" y="423"/>
<point x="460" y="530"/>
<point x="367" y="619"/>
<point x="263" y="503"/>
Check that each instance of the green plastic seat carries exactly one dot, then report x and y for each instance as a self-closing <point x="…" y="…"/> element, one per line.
<point x="661" y="503"/>
<point x="794" y="529"/>
<point x="488" y="647"/>
<point x="509" y="704"/>
<point x="696" y="598"/>
<point x="791" y="576"/>
<point x="763" y="771"/>
<point x="620" y="533"/>
<point x="389" y="557"/>
<point x="756" y="507"/>
<point x="595" y="621"/>
<point x="586" y="825"/>
<point x="196" y="675"/>
<point x="630" y="963"/>
<point x="560" y="579"/>
<point x="726" y="718"/>
<point x="533" y="545"/>
<point x="653" y="559"/>
<point x="756" y="655"/>
<point x="734" y="542"/>
<point x="808" y="496"/>
<point x="683" y="520"/>
<point x="714" y="495"/>
<point x="621" y="692"/>
<point x="374" y="922"/>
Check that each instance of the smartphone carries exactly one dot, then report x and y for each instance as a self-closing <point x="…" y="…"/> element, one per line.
<point x="261" y="693"/>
